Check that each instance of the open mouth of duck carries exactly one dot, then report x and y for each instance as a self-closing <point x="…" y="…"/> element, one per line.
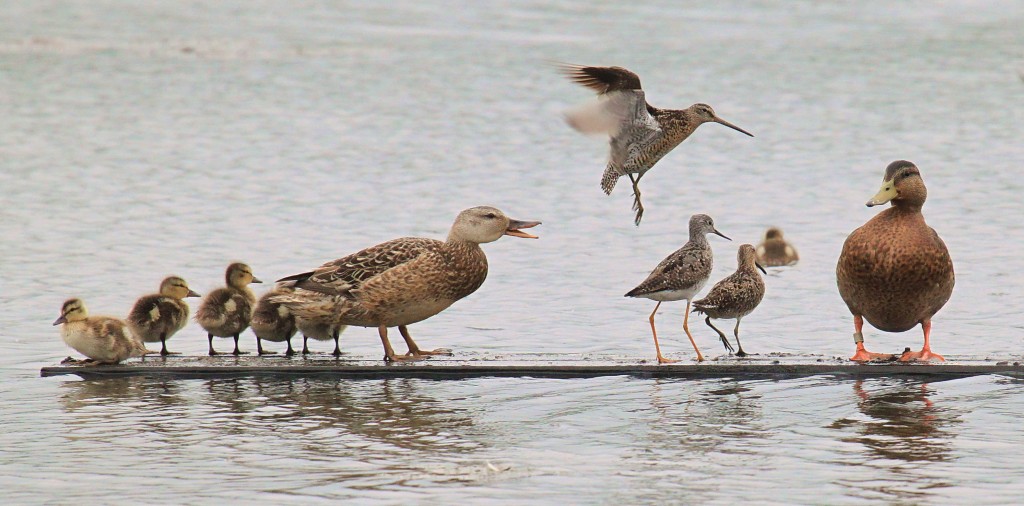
<point x="514" y="227"/>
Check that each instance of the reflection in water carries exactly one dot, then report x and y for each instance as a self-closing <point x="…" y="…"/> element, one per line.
<point x="902" y="423"/>
<point x="342" y="433"/>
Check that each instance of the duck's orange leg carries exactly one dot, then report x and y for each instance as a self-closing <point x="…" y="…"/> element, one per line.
<point x="415" y="350"/>
<point x="389" y="352"/>
<point x="863" y="355"/>
<point x="661" y="359"/>
<point x="926" y="352"/>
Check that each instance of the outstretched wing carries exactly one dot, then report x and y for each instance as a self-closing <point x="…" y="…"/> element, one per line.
<point x="342" y="276"/>
<point x="601" y="79"/>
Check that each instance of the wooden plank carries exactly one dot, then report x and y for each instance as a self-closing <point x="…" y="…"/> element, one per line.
<point x="529" y="365"/>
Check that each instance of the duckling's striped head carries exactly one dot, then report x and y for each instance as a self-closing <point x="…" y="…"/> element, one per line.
<point x="72" y="310"/>
<point x="173" y="286"/>
<point x="239" y="275"/>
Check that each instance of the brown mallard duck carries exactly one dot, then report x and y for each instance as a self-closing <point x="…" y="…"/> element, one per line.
<point x="895" y="271"/>
<point x="226" y="312"/>
<point x="640" y="134"/>
<point x="402" y="281"/>
<point x="103" y="339"/>
<point x="157" y="317"/>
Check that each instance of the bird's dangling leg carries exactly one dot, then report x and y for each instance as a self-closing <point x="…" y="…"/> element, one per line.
<point x="638" y="206"/>
<point x="721" y="336"/>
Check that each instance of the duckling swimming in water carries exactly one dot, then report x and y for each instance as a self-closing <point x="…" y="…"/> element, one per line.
<point x="103" y="339"/>
<point x="774" y="251"/>
<point x="403" y="281"/>
<point x="273" y="321"/>
<point x="157" y="317"/>
<point x="895" y="271"/>
<point x="225" y="312"/>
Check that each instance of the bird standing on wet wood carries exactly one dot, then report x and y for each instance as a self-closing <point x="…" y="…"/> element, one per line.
<point x="735" y="296"/>
<point x="640" y="134"/>
<point x="895" y="271"/>
<point x="680" y="276"/>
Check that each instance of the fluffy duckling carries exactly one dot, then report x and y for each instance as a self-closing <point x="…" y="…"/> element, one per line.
<point x="157" y="317"/>
<point x="403" y="281"/>
<point x="225" y="312"/>
<point x="273" y="321"/>
<point x="774" y="251"/>
<point x="895" y="271"/>
<point x="321" y="329"/>
<point x="103" y="339"/>
<point x="735" y="296"/>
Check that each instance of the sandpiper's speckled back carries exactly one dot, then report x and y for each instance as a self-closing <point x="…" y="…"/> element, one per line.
<point x="681" y="275"/>
<point x="738" y="294"/>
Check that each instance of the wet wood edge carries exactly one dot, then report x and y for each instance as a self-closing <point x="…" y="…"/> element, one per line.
<point x="534" y="366"/>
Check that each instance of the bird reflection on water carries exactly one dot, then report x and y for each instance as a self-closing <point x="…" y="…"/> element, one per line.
<point x="902" y="422"/>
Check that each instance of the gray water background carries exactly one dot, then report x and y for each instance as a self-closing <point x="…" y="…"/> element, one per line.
<point x="140" y="139"/>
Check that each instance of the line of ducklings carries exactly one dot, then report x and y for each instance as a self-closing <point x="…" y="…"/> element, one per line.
<point x="894" y="271"/>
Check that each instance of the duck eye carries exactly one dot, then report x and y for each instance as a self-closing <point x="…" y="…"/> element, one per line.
<point x="490" y="216"/>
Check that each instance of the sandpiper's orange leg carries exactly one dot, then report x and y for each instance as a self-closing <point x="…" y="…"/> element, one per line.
<point x="926" y="352"/>
<point x="661" y="359"/>
<point x="686" y="328"/>
<point x="415" y="350"/>
<point x="863" y="355"/>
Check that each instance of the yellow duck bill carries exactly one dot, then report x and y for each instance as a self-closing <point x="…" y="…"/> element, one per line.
<point x="885" y="194"/>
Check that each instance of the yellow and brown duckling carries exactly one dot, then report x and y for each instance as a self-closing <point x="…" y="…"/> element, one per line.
<point x="895" y="271"/>
<point x="273" y="321"/>
<point x="403" y="281"/>
<point x="226" y="312"/>
<point x="735" y="296"/>
<point x="157" y="317"/>
<point x="105" y="340"/>
<point x="774" y="251"/>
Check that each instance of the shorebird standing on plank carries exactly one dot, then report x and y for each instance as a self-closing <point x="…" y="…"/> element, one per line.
<point x="640" y="134"/>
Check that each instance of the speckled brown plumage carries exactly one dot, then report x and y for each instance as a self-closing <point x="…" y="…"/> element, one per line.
<point x="103" y="339"/>
<point x="774" y="251"/>
<point x="640" y="134"/>
<point x="402" y="281"/>
<point x="156" y="317"/>
<point x="226" y="312"/>
<point x="273" y="321"/>
<point x="735" y="296"/>
<point x="895" y="271"/>
<point x="680" y="276"/>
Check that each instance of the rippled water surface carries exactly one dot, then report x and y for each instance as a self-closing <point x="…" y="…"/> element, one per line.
<point x="139" y="139"/>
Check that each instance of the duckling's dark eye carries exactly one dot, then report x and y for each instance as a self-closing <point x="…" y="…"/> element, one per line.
<point x="490" y="216"/>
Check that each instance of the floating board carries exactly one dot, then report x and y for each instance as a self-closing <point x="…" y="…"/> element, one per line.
<point x="531" y="365"/>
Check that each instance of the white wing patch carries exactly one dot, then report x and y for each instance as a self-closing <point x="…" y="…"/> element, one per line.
<point x="230" y="306"/>
<point x="612" y="113"/>
<point x="154" y="314"/>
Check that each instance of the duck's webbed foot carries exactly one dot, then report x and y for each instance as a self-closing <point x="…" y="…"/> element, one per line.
<point x="922" y="356"/>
